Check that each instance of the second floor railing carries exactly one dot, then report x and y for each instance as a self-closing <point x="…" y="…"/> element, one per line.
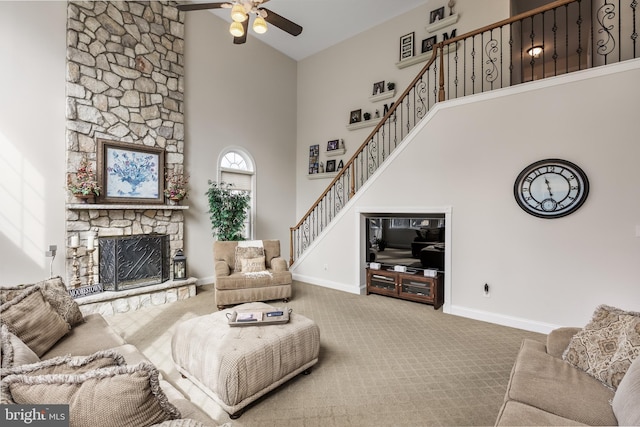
<point x="559" y="38"/>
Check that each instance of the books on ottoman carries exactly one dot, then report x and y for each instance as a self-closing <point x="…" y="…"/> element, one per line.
<point x="255" y="317"/>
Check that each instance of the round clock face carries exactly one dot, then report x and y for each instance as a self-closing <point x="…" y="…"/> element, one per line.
<point x="551" y="188"/>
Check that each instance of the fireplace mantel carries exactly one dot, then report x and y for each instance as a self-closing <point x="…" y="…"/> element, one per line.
<point x="95" y="206"/>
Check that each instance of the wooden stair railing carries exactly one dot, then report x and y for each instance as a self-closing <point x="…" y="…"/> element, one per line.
<point x="574" y="34"/>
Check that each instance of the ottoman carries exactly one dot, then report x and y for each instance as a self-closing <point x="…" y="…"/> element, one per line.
<point x="237" y="365"/>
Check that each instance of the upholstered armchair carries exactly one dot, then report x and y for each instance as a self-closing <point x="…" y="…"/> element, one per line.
<point x="249" y="271"/>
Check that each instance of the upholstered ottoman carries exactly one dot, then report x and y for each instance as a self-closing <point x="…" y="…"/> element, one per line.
<point x="237" y="365"/>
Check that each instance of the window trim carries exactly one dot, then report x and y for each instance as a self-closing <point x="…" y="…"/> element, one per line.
<point x="251" y="164"/>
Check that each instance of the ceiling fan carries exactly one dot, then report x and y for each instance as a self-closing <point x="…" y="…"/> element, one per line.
<point x="240" y="12"/>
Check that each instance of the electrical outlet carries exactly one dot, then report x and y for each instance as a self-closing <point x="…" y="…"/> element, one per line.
<point x="485" y="290"/>
<point x="52" y="251"/>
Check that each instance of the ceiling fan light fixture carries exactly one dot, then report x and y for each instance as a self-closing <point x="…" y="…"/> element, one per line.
<point x="238" y="13"/>
<point x="259" y="25"/>
<point x="236" y="29"/>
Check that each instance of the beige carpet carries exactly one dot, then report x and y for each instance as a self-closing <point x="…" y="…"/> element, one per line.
<point x="383" y="362"/>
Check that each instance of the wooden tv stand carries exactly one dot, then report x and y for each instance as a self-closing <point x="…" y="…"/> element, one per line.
<point x="409" y="286"/>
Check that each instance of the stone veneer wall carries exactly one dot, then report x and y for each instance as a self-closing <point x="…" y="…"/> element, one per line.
<point x="124" y="82"/>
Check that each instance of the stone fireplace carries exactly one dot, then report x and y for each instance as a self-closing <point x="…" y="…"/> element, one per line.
<point x="124" y="82"/>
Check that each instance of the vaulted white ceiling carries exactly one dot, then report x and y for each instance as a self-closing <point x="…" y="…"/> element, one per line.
<point x="325" y="22"/>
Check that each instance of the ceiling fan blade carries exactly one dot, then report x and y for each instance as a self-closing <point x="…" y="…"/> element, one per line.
<point x="243" y="38"/>
<point x="283" y="23"/>
<point x="201" y="6"/>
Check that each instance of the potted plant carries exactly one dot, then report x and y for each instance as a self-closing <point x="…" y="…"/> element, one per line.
<point x="227" y="210"/>
<point x="85" y="185"/>
<point x="176" y="186"/>
<point x="367" y="116"/>
<point x="391" y="85"/>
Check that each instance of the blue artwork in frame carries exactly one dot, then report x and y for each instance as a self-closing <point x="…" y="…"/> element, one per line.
<point x="130" y="173"/>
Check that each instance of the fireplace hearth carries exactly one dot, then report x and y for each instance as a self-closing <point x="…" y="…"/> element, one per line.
<point x="128" y="262"/>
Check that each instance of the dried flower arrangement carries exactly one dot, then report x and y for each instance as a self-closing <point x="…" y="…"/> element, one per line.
<point x="176" y="185"/>
<point x="85" y="183"/>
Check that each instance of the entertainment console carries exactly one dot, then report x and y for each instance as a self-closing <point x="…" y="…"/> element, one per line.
<point x="407" y="285"/>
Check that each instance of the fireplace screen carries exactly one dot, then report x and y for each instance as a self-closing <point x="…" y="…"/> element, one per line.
<point x="133" y="261"/>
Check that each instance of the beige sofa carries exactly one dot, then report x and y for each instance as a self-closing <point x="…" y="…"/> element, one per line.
<point x="51" y="353"/>
<point x="265" y="275"/>
<point x="546" y="390"/>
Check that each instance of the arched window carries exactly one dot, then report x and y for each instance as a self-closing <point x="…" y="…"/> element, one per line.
<point x="236" y="167"/>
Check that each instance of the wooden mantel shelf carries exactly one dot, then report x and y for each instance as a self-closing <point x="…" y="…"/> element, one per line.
<point x="92" y="206"/>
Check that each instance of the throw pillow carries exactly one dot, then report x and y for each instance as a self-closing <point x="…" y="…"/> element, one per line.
<point x="32" y="319"/>
<point x="55" y="292"/>
<point x="626" y="402"/>
<point x="607" y="345"/>
<point x="253" y="265"/>
<point x="246" y="253"/>
<point x="67" y="364"/>
<point x="116" y="396"/>
<point x="63" y="365"/>
<point x="14" y="351"/>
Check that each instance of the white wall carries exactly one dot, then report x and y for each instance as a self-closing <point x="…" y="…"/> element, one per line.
<point x="32" y="139"/>
<point x="237" y="95"/>
<point x="542" y="273"/>
<point x="340" y="79"/>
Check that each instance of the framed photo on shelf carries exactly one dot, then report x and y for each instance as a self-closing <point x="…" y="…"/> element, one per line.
<point x="333" y="145"/>
<point x="314" y="153"/>
<point x="130" y="173"/>
<point x="427" y="44"/>
<point x="355" y="116"/>
<point x="436" y="15"/>
<point x="378" y="88"/>
<point x="331" y="166"/>
<point x="406" y="46"/>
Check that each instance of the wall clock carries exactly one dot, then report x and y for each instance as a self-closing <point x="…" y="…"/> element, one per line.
<point x="551" y="188"/>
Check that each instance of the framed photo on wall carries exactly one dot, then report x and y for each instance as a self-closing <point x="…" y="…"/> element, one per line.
<point x="314" y="153"/>
<point x="378" y="88"/>
<point x="130" y="173"/>
<point x="436" y="15"/>
<point x="406" y="46"/>
<point x="427" y="44"/>
<point x="355" y="116"/>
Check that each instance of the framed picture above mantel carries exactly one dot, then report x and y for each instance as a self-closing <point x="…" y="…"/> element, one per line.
<point x="130" y="173"/>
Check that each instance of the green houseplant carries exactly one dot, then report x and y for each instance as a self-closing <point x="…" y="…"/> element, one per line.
<point x="227" y="210"/>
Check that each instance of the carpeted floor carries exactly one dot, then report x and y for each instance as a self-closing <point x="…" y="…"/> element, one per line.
<point x="383" y="362"/>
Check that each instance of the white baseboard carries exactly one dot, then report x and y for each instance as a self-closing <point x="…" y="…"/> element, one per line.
<point x="327" y="284"/>
<point x="504" y="320"/>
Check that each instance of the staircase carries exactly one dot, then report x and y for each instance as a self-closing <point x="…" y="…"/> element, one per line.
<point x="573" y="34"/>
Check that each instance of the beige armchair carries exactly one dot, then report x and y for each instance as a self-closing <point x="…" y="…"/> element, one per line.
<point x="243" y="275"/>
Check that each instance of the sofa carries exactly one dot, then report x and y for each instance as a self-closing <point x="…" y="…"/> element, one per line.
<point x="52" y="354"/>
<point x="250" y="271"/>
<point x="582" y="376"/>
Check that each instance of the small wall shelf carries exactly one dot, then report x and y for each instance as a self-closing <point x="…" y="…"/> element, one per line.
<point x="362" y="124"/>
<point x="445" y="22"/>
<point x="322" y="175"/>
<point x="95" y="206"/>
<point x="338" y="152"/>
<point x="384" y="95"/>
<point x="424" y="57"/>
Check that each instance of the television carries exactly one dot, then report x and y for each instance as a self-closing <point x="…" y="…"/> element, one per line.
<point x="416" y="241"/>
